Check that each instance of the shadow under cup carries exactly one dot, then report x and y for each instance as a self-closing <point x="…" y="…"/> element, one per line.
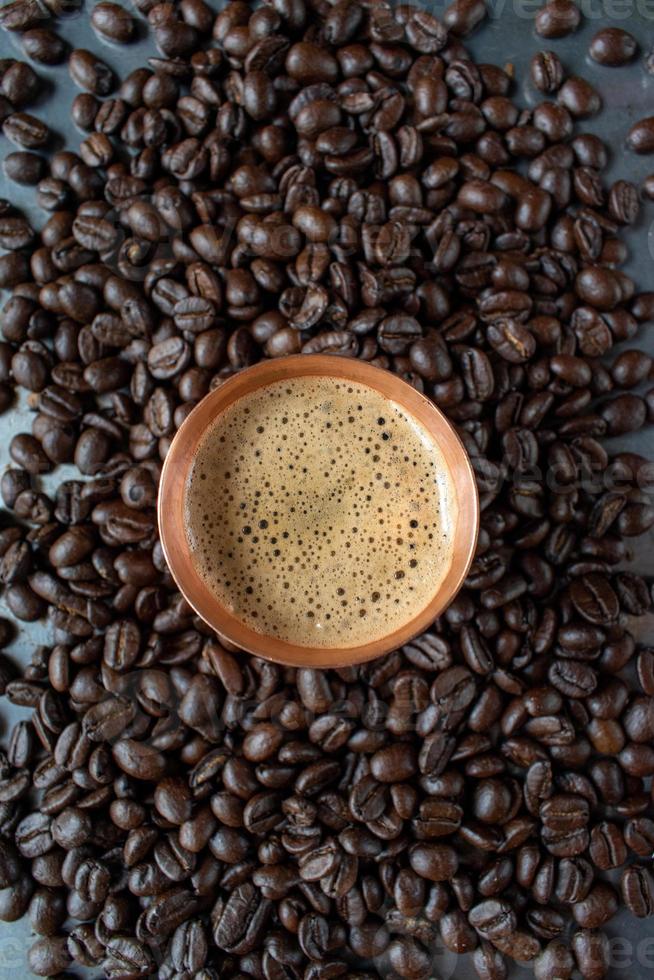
<point x="178" y="463"/>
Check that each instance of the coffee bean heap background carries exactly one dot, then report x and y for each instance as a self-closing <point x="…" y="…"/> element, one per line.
<point x="323" y="178"/>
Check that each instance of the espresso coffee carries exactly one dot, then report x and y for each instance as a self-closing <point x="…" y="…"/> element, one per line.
<point x="319" y="512"/>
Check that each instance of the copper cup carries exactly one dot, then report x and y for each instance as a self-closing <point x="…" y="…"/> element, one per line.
<point x="178" y="463"/>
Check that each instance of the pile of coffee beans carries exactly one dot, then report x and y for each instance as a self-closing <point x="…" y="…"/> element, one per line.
<point x="327" y="178"/>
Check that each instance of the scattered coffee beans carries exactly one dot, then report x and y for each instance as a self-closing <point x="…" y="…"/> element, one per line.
<point x="342" y="178"/>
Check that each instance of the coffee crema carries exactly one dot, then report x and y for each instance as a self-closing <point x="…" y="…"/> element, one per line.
<point x="319" y="512"/>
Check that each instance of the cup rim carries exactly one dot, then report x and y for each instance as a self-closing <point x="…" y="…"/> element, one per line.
<point x="170" y="504"/>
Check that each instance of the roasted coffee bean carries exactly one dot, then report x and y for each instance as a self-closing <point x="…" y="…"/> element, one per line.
<point x="597" y="908"/>
<point x="462" y="16"/>
<point x="592" y="953"/>
<point x="15" y="233"/>
<point x="24" y="603"/>
<point x="623" y="202"/>
<point x="555" y="960"/>
<point x="26" y="130"/>
<point x="173" y="800"/>
<point x="19" y="83"/>
<point x="33" y="837"/>
<point x="557" y="19"/>
<point x="138" y="760"/>
<point x="546" y="72"/>
<point x="126" y="953"/>
<point x="640" y="137"/>
<point x="121" y="645"/>
<point x="435" y="862"/>
<point x="594" y="599"/>
<point x="493" y="919"/>
<point x="612" y="46"/>
<point x="519" y="946"/>
<point x="579" y="97"/>
<point x="47" y="911"/>
<point x="90" y="73"/>
<point x="607" y="848"/>
<point x="24" y="167"/>
<point x="394" y="763"/>
<point x="241" y="921"/>
<point x="626" y="413"/>
<point x="107" y="719"/>
<point x="49" y="956"/>
<point x="511" y="340"/>
<point x="84" y="110"/>
<point x="43" y="45"/>
<point x="638" y="835"/>
<point x="15" y="899"/>
<point x="636" y="888"/>
<point x="112" y="22"/>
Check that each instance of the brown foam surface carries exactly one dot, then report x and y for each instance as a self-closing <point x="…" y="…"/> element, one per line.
<point x="320" y="512"/>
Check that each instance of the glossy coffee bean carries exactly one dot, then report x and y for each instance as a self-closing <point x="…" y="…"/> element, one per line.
<point x="640" y="137"/>
<point x="612" y="46"/>
<point x="43" y="46"/>
<point x="112" y="22"/>
<point x="579" y="97"/>
<point x="547" y="71"/>
<point x="90" y="73"/>
<point x="557" y="19"/>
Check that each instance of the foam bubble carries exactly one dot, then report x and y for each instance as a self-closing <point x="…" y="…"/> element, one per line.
<point x="320" y="512"/>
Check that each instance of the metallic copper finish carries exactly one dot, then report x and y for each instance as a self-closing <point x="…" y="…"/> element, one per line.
<point x="180" y="457"/>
